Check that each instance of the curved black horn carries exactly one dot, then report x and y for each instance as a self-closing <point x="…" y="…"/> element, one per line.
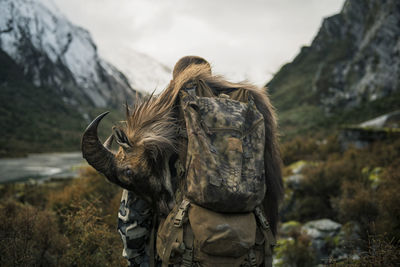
<point x="102" y="159"/>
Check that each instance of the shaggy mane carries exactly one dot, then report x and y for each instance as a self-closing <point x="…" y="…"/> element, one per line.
<point x="151" y="122"/>
<point x="154" y="122"/>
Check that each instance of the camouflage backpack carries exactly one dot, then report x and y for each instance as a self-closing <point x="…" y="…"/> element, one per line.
<point x="224" y="185"/>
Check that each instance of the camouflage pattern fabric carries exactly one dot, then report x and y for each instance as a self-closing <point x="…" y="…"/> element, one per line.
<point x="225" y="154"/>
<point x="134" y="225"/>
<point x="225" y="163"/>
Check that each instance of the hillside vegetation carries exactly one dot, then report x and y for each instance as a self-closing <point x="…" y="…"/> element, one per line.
<point x="36" y="119"/>
<point x="358" y="185"/>
<point x="348" y="74"/>
<point x="69" y="223"/>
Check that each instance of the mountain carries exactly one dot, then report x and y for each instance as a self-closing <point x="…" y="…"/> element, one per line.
<point x="349" y="73"/>
<point x="56" y="53"/>
<point x="53" y="81"/>
<point x="146" y="74"/>
<point x="33" y="119"/>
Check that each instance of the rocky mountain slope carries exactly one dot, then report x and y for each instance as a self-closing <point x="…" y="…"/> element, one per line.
<point x="353" y="63"/>
<point x="53" y="81"/>
<point x="56" y="53"/>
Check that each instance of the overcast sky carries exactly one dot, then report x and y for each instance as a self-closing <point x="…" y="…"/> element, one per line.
<point x="242" y="39"/>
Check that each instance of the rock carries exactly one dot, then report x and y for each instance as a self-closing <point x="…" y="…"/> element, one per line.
<point x="323" y="227"/>
<point x="348" y="242"/>
<point x="292" y="185"/>
<point x="294" y="180"/>
<point x="363" y="134"/>
<point x="391" y="120"/>
<point x="324" y="236"/>
<point x="317" y="242"/>
<point x="55" y="53"/>
<point x="353" y="60"/>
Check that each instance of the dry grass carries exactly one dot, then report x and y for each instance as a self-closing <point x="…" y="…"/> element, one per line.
<point x="73" y="224"/>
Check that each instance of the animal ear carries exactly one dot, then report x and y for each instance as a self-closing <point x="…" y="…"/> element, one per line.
<point x="121" y="138"/>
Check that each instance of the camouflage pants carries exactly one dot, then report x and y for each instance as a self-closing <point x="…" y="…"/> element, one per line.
<point x="134" y="225"/>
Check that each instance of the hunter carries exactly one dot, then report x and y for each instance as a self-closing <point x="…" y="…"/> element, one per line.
<point x="201" y="172"/>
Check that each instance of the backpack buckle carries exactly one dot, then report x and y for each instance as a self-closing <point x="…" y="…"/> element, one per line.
<point x="261" y="218"/>
<point x="270" y="239"/>
<point x="252" y="258"/>
<point x="181" y="214"/>
<point x="187" y="258"/>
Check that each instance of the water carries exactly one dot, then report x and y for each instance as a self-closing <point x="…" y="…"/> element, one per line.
<point x="40" y="166"/>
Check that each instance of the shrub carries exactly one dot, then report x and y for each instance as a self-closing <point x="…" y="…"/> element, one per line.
<point x="309" y="148"/>
<point x="30" y="237"/>
<point x="358" y="203"/>
<point x="388" y="201"/>
<point x="380" y="251"/>
<point x="90" y="187"/>
<point x="72" y="223"/>
<point x="92" y="241"/>
<point x="294" y="251"/>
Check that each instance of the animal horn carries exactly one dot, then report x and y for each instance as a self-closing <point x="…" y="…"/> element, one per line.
<point x="100" y="157"/>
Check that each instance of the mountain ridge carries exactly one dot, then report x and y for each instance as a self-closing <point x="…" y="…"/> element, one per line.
<point x="53" y="80"/>
<point x="352" y="63"/>
<point x="56" y="53"/>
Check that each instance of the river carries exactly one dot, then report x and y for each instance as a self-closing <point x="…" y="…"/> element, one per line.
<point x="40" y="167"/>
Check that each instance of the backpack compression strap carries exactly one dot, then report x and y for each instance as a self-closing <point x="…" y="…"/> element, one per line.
<point x="270" y="241"/>
<point x="175" y="238"/>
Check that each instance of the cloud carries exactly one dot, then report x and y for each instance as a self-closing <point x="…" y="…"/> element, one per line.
<point x="242" y="39"/>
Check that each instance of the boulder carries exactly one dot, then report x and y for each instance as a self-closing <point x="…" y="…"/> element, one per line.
<point x="363" y="134"/>
<point x="324" y="236"/>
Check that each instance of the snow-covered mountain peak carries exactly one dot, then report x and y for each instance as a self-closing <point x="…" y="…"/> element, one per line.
<point x="56" y="53"/>
<point x="49" y="32"/>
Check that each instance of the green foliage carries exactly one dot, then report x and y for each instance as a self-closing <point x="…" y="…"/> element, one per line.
<point x="33" y="118"/>
<point x="356" y="187"/>
<point x="308" y="148"/>
<point x="293" y="88"/>
<point x="295" y="250"/>
<point x="365" y="111"/>
<point x="297" y="88"/>
<point x="36" y="119"/>
<point x="344" y="187"/>
<point x="288" y="228"/>
<point x="292" y="84"/>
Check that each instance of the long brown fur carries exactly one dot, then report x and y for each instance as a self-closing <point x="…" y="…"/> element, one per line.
<point x="151" y="132"/>
<point x="154" y="122"/>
